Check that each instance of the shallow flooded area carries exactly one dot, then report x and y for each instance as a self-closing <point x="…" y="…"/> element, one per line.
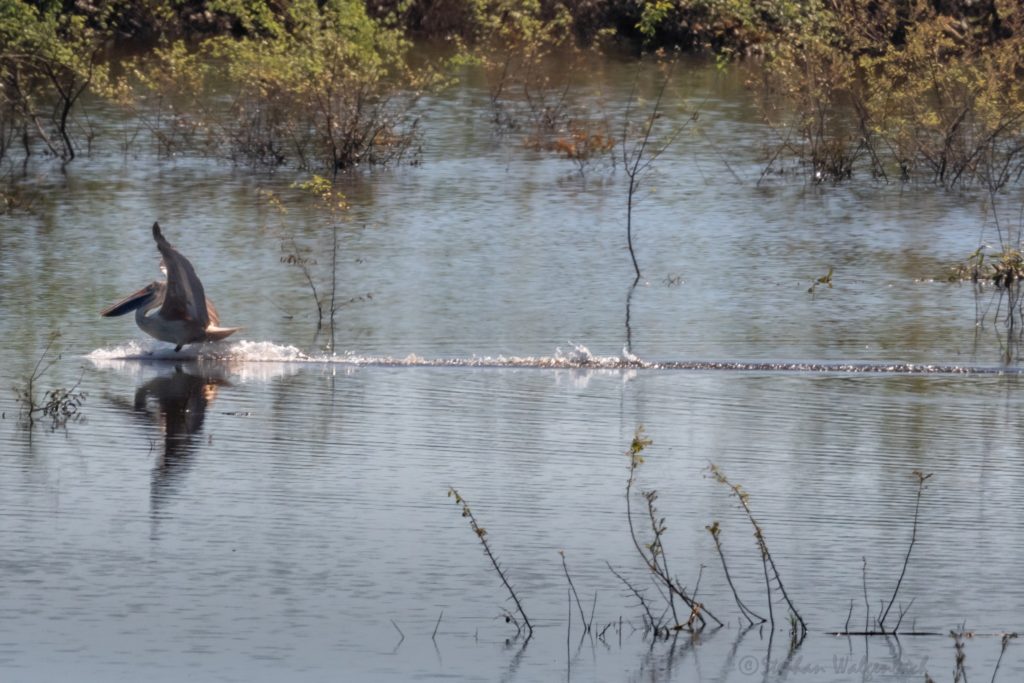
<point x="276" y="508"/>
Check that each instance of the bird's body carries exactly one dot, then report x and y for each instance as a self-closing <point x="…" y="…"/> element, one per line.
<point x="184" y="315"/>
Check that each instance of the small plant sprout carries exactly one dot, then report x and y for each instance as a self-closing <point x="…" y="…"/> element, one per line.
<point x="825" y="279"/>
<point x="60" y="405"/>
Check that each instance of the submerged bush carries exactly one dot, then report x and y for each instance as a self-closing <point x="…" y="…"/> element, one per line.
<point x="310" y="82"/>
<point x="907" y="89"/>
<point x="319" y="85"/>
<point x="328" y="85"/>
<point x="1004" y="268"/>
<point x="48" y="59"/>
<point x="918" y="89"/>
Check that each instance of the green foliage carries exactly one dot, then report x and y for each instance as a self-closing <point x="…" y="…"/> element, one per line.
<point x="1004" y="268"/>
<point x="317" y="84"/>
<point x="47" y="61"/>
<point x="322" y="86"/>
<point x="637" y="446"/>
<point x="728" y="26"/>
<point x="518" y="45"/>
<point x="911" y="89"/>
<point x="918" y="91"/>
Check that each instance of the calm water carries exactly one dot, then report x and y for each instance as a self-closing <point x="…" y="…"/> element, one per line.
<point x="279" y="513"/>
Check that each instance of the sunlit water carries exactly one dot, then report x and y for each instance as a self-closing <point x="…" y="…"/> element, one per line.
<point x="272" y="509"/>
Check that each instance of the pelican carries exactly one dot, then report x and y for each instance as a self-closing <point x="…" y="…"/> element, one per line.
<point x="184" y="315"/>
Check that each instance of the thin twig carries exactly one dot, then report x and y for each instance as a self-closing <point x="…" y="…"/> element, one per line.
<point x="714" y="529"/>
<point x="565" y="568"/>
<point x="903" y="613"/>
<point x="633" y="159"/>
<point x="481" y="534"/>
<point x="651" y="552"/>
<point x="767" y="559"/>
<point x="639" y="596"/>
<point x="1002" y="651"/>
<point x="433" y="636"/>
<point x="960" y="673"/>
<point x="921" y="479"/>
<point x="864" y="582"/>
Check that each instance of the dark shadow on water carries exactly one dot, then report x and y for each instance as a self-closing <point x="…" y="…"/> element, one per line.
<point x="729" y="664"/>
<point x="664" y="656"/>
<point x="517" y="659"/>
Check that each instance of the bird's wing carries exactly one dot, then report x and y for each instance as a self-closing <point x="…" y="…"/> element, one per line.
<point x="185" y="299"/>
<point x="143" y="297"/>
<point x="211" y="312"/>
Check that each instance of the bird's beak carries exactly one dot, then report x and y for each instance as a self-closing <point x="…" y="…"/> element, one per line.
<point x="130" y="303"/>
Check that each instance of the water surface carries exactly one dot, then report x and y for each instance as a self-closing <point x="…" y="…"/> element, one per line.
<point x="267" y="508"/>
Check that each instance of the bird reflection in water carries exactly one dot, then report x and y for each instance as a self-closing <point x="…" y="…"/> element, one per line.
<point x="176" y="402"/>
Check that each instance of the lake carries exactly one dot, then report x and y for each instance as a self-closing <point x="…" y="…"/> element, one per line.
<point x="272" y="508"/>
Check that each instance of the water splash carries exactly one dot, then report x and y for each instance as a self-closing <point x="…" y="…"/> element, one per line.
<point x="577" y="356"/>
<point x="242" y="351"/>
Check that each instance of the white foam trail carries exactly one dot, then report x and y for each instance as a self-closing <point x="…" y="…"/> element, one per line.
<point x="578" y="356"/>
<point x="252" y="354"/>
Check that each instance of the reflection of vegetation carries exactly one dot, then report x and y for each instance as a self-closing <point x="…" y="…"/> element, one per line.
<point x="14" y="198"/>
<point x="60" y="405"/>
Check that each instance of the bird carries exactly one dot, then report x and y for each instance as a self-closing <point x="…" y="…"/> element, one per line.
<point x="184" y="315"/>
